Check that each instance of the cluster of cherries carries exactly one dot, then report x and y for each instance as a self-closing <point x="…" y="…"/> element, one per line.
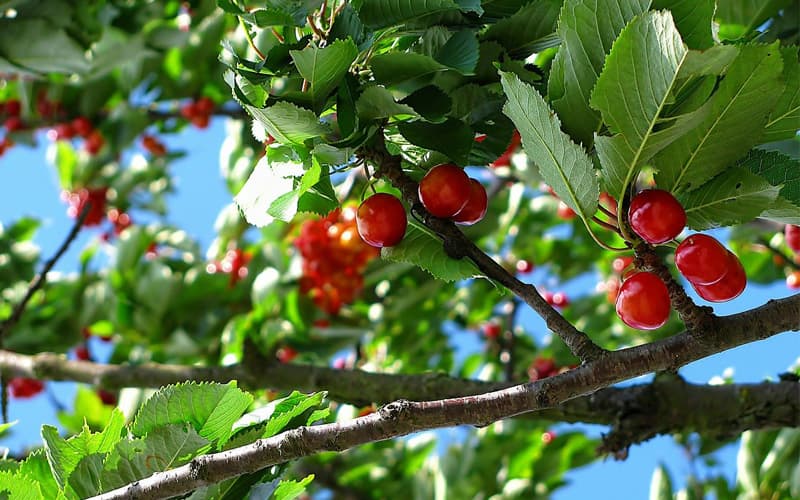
<point x="198" y="112"/>
<point x="234" y="263"/>
<point x="10" y="111"/>
<point x="334" y="257"/>
<point x="446" y="192"/>
<point x="93" y="140"/>
<point x="714" y="271"/>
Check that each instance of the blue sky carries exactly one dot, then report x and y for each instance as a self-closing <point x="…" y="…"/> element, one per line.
<point x="28" y="186"/>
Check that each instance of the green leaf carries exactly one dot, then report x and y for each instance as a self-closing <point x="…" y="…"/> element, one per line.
<point x="288" y="489"/>
<point x="349" y="25"/>
<point x="587" y="29"/>
<point x="693" y="19"/>
<point x="422" y="248"/>
<point x="85" y="479"/>
<point x="733" y="197"/>
<point x="210" y="408"/>
<point x="460" y="52"/>
<point x="287" y="123"/>
<point x="633" y="88"/>
<point x="660" y="484"/>
<point x="324" y="68"/>
<point x="382" y="13"/>
<point x="5" y="426"/>
<point x="738" y="112"/>
<point x="714" y="61"/>
<point x="563" y="164"/>
<point x="783" y="211"/>
<point x="164" y="448"/>
<point x="280" y="413"/>
<point x="285" y="206"/>
<point x="747" y="464"/>
<point x="530" y="24"/>
<point x="36" y="467"/>
<point x="430" y="102"/>
<point x="777" y="169"/>
<point x="65" y="454"/>
<point x="377" y="102"/>
<point x="784" y="120"/>
<point x="19" y="487"/>
<point x="297" y="9"/>
<point x="397" y="67"/>
<point x="264" y="18"/>
<point x="38" y="45"/>
<point x="452" y="137"/>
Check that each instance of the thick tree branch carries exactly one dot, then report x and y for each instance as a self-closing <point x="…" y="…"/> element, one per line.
<point x="404" y="417"/>
<point x="458" y="246"/>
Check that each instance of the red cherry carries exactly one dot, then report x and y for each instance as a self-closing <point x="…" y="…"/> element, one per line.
<point x="548" y="437"/>
<point x="476" y="205"/>
<point x="793" y="280"/>
<point x="381" y="220"/>
<point x="524" y="266"/>
<point x="13" y="123"/>
<point x="63" y="132"/>
<point x="24" y="388"/>
<point x="729" y="287"/>
<point x="656" y="216"/>
<point x="82" y="353"/>
<point x="621" y="263"/>
<point x="94" y="142"/>
<point x="505" y="159"/>
<point x="643" y="301"/>
<point x="121" y="220"/>
<point x="612" y="286"/>
<point x="560" y="299"/>
<point x="108" y="398"/>
<point x="204" y="106"/>
<point x="445" y="190"/>
<point x="792" y="233"/>
<point x="701" y="259"/>
<point x="82" y="126"/>
<point x="13" y="107"/>
<point x="564" y="211"/>
<point x="201" y="121"/>
<point x="97" y="200"/>
<point x="286" y="354"/>
<point x="153" y="145"/>
<point x="542" y="368"/>
<point x="609" y="202"/>
<point x="491" y="329"/>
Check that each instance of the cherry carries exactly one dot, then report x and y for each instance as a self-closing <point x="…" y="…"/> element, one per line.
<point x="621" y="263"/>
<point x="729" y="287"/>
<point x="491" y="329"/>
<point x="560" y="299"/>
<point x="95" y="197"/>
<point x="564" y="211"/>
<point x="792" y="233"/>
<point x="701" y="259"/>
<point x="62" y="132"/>
<point x="23" y="388"/>
<point x="524" y="266"/>
<point x="94" y="142"/>
<point x="381" y="220"/>
<point x="120" y="219"/>
<point x="108" y="398"/>
<point x="793" y="280"/>
<point x="608" y="202"/>
<point x="445" y="190"/>
<point x="82" y="353"/>
<point x="14" y="123"/>
<point x="13" y="107"/>
<point x="656" y="216"/>
<point x="643" y="301"/>
<point x="82" y="126"/>
<point x="286" y="354"/>
<point x="204" y="106"/>
<point x="548" y="437"/>
<point x="542" y="367"/>
<point x="153" y="145"/>
<point x="476" y="205"/>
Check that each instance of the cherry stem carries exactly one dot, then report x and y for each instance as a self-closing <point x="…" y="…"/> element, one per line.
<point x="608" y="212"/>
<point x="250" y="40"/>
<point x="277" y="36"/>
<point x="607" y="225"/>
<point x="789" y="261"/>
<point x="696" y="318"/>
<point x="310" y="20"/>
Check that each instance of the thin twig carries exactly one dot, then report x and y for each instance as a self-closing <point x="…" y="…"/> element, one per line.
<point x="250" y="40"/>
<point x="787" y="260"/>
<point x="609" y="226"/>
<point x="319" y="34"/>
<point x="36" y="284"/>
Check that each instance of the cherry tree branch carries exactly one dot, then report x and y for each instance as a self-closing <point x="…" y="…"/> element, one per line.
<point x="404" y="417"/>
<point x="457" y="245"/>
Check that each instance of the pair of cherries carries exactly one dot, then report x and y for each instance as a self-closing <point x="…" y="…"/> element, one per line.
<point x="715" y="273"/>
<point x="446" y="192"/>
